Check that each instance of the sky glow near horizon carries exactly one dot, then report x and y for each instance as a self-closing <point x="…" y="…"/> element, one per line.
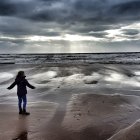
<point x="74" y="26"/>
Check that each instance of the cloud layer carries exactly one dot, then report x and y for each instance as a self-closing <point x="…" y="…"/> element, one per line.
<point x="59" y="25"/>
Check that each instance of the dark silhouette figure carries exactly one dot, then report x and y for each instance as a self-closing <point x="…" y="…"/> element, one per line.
<point x="21" y="83"/>
<point x="22" y="136"/>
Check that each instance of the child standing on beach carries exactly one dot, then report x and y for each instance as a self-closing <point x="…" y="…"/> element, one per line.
<point x="21" y="83"/>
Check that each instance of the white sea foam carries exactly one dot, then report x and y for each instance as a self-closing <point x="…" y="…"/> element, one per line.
<point x="45" y="75"/>
<point x="6" y="75"/>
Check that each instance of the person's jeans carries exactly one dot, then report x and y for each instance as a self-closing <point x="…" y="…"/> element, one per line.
<point x="20" y="100"/>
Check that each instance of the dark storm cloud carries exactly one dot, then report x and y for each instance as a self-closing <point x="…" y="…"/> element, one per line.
<point x="131" y="7"/>
<point x="51" y="34"/>
<point x="82" y="28"/>
<point x="72" y="11"/>
<point x="52" y="18"/>
<point x="97" y="34"/>
<point x="129" y="11"/>
<point x="10" y="26"/>
<point x="68" y="11"/>
<point x="130" y="32"/>
<point x="88" y="12"/>
<point x="7" y="8"/>
<point x="16" y="41"/>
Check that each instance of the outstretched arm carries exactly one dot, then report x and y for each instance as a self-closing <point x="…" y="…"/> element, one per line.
<point x="29" y="85"/>
<point x="12" y="85"/>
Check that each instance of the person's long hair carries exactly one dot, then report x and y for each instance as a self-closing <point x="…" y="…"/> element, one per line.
<point x="20" y="74"/>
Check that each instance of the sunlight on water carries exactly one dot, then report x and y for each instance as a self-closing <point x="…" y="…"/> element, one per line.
<point x="114" y="77"/>
<point x="137" y="72"/>
<point x="5" y="75"/>
<point x="132" y="83"/>
<point x="45" y="75"/>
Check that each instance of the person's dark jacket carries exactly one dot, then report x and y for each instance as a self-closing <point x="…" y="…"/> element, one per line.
<point x="21" y="83"/>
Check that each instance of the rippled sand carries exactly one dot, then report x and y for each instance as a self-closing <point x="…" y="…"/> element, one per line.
<point x="92" y="102"/>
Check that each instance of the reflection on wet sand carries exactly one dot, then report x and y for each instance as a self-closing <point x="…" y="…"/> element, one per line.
<point x="54" y="130"/>
<point x="22" y="128"/>
<point x="22" y="136"/>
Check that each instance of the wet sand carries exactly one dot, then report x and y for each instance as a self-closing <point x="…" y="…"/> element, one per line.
<point x="95" y="102"/>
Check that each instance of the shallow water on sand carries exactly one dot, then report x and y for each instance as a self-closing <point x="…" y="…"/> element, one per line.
<point x="50" y="102"/>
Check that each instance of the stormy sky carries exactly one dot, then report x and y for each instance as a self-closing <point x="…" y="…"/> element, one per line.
<point x="69" y="26"/>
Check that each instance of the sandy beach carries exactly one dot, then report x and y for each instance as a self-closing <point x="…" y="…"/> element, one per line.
<point x="91" y="102"/>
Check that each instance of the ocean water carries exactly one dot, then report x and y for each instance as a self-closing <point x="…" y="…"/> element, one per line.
<point x="54" y="80"/>
<point x="103" y="58"/>
<point x="54" y="83"/>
